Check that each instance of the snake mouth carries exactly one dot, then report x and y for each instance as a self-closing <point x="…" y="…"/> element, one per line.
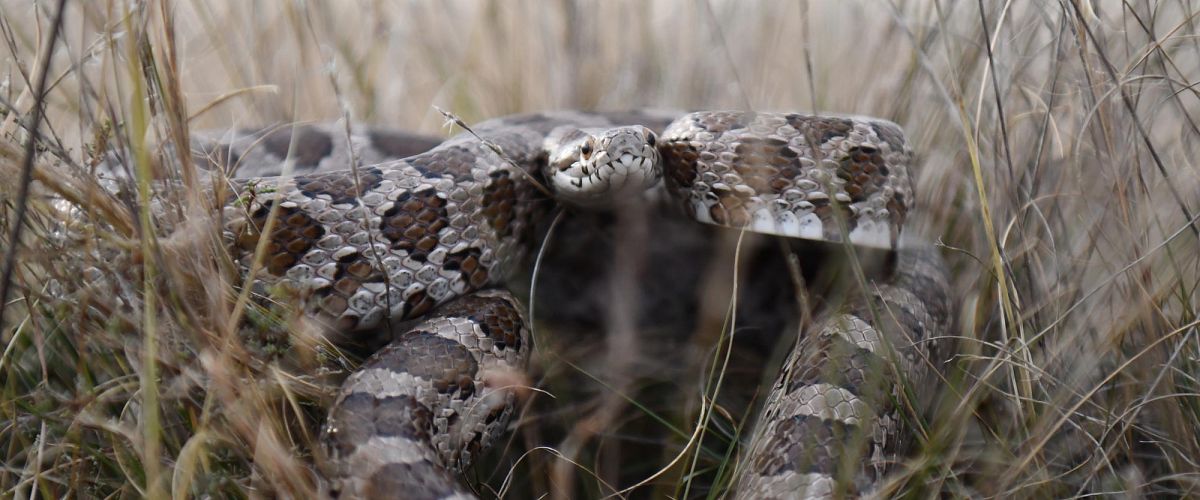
<point x="599" y="169"/>
<point x="610" y="173"/>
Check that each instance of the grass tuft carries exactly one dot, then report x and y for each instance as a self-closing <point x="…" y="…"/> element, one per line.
<point x="1056" y="145"/>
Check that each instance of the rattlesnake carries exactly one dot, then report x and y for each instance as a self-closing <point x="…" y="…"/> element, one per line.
<point x="410" y="250"/>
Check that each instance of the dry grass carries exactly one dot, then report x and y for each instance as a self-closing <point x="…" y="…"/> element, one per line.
<point x="1057" y="145"/>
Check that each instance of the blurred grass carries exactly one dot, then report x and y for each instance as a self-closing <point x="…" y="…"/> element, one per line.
<point x="1057" y="145"/>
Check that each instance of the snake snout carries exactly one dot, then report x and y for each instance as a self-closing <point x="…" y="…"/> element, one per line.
<point x="602" y="167"/>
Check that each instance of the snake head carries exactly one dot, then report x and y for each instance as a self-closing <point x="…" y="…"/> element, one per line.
<point x="597" y="168"/>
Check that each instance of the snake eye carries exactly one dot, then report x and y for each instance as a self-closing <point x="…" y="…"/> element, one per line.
<point x="650" y="139"/>
<point x="586" y="149"/>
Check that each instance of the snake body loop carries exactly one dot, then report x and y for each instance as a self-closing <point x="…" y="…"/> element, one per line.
<point x="422" y="240"/>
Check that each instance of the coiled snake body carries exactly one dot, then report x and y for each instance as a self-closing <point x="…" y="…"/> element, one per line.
<point x="427" y="237"/>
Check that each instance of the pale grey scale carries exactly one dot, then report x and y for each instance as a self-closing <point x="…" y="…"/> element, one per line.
<point x="845" y="416"/>
<point x="833" y="179"/>
<point x="458" y="171"/>
<point x="786" y="174"/>
<point x="417" y="411"/>
<point x="464" y="169"/>
<point x="409" y="422"/>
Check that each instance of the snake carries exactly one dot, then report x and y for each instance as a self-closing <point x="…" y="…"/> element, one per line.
<point x="409" y="250"/>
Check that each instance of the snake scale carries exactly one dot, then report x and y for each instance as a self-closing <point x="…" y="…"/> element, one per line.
<point x="422" y="234"/>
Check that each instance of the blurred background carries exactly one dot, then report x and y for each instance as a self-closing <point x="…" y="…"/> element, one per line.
<point x="1056" y="143"/>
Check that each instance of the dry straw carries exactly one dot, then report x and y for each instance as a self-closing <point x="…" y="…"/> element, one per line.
<point x="1057" y="146"/>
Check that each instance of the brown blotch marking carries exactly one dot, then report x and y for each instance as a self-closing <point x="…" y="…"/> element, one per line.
<point x="294" y="234"/>
<point x="825" y="211"/>
<point x="360" y="269"/>
<point x="790" y="169"/>
<point x="806" y="444"/>
<point x="904" y="320"/>
<point x="679" y="165"/>
<point x="502" y="325"/>
<point x="346" y="286"/>
<point x="721" y="122"/>
<point x="334" y="305"/>
<point x="353" y="270"/>
<point x="467" y="263"/>
<point x="500" y="203"/>
<point x="820" y="129"/>
<point x="417" y="305"/>
<point x="926" y="274"/>
<point x="532" y="208"/>
<point x="426" y="244"/>
<point x="756" y="165"/>
<point x="311" y="145"/>
<point x="413" y="222"/>
<point x="397" y="144"/>
<point x="496" y="317"/>
<point x="864" y="170"/>
<point x="359" y="416"/>
<point x="730" y="209"/>
<point x="831" y="359"/>
<point x="446" y="363"/>
<point x="340" y="186"/>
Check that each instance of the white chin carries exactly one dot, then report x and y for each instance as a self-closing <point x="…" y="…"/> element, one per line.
<point x="628" y="179"/>
<point x="620" y="180"/>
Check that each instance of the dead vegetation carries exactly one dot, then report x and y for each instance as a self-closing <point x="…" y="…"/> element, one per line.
<point x="1057" y="144"/>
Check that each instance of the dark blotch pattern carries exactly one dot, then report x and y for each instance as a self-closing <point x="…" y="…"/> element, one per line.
<point x="500" y="203"/>
<point x="295" y="232"/>
<point x="829" y="212"/>
<point x="340" y="186"/>
<point x="413" y="222"/>
<point x="903" y="322"/>
<point x="353" y="270"/>
<point x="825" y="446"/>
<point x="447" y="364"/>
<point x="357" y="267"/>
<point x="722" y="122"/>
<point x="730" y="209"/>
<point x="789" y="171"/>
<point x="820" y="129"/>
<point x="832" y="359"/>
<point x="397" y="144"/>
<point x="864" y="170"/>
<point x="923" y="270"/>
<point x="467" y="262"/>
<point x="361" y="415"/>
<point x="679" y="165"/>
<point x="310" y="147"/>
<point x="762" y="167"/>
<point x="418" y="304"/>
<point x="498" y="319"/>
